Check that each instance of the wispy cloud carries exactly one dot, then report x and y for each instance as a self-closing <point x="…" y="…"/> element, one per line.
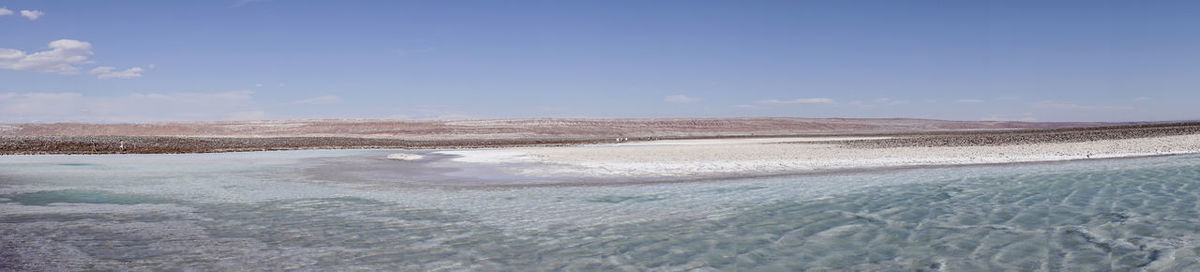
<point x="107" y="72"/>
<point x="968" y="101"/>
<point x="64" y="57"/>
<point x="32" y="14"/>
<point x="5" y="11"/>
<point x="799" y="101"/>
<point x="320" y="100"/>
<point x="679" y="98"/>
<point x="1143" y="98"/>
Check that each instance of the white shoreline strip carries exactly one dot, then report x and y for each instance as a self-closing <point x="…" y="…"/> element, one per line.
<point x="488" y="156"/>
<point x="687" y="158"/>
<point x="404" y="156"/>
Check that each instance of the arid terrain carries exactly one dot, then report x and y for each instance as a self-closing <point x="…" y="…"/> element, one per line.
<point x="198" y="137"/>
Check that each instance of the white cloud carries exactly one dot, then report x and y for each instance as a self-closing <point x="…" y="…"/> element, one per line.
<point x="63" y="57"/>
<point x="743" y="106"/>
<point x="136" y="107"/>
<point x="1143" y="98"/>
<point x="968" y="101"/>
<point x="799" y="101"/>
<point x="680" y="99"/>
<point x="32" y="14"/>
<point x="4" y="11"/>
<point x="107" y="72"/>
<point x="320" y="100"/>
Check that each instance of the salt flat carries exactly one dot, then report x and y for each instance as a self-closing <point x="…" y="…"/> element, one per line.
<point x="761" y="156"/>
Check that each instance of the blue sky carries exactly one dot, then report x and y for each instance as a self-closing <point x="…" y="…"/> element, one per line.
<point x="145" y="61"/>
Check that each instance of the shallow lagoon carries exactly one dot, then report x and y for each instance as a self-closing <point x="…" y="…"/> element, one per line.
<point x="297" y="210"/>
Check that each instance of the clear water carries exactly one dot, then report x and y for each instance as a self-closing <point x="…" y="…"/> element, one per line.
<point x="286" y="210"/>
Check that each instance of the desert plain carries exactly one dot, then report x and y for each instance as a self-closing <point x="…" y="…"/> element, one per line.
<point x="616" y="148"/>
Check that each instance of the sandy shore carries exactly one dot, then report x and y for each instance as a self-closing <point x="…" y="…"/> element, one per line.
<point x="765" y="156"/>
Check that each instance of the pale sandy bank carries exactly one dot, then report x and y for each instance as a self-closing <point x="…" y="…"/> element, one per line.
<point x="764" y="156"/>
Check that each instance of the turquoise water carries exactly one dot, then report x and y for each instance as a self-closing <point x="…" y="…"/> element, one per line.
<point x="286" y="210"/>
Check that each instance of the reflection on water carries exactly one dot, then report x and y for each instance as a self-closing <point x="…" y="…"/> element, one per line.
<point x="262" y="210"/>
